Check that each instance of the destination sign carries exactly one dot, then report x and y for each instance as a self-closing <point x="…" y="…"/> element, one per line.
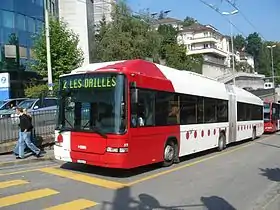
<point x="86" y="82"/>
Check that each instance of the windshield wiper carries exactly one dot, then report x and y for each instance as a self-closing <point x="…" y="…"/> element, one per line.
<point x="68" y="122"/>
<point x="98" y="131"/>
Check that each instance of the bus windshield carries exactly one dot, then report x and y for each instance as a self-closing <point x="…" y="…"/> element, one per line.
<point x="92" y="103"/>
<point x="266" y="117"/>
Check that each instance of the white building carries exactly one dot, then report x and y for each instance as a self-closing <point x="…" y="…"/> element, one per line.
<point x="83" y="17"/>
<point x="103" y="8"/>
<point x="79" y="16"/>
<point x="206" y="40"/>
<point x="244" y="57"/>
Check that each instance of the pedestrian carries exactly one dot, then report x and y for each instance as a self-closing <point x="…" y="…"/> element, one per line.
<point x="25" y="130"/>
<point x="30" y="119"/>
<point x="16" y="150"/>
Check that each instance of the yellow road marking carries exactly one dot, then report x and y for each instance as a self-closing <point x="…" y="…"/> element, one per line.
<point x="116" y="185"/>
<point x="19" y="172"/>
<point x="83" y="178"/>
<point x="76" y="204"/>
<point x="27" y="196"/>
<point x="12" y="183"/>
<point x="192" y="163"/>
<point x="26" y="171"/>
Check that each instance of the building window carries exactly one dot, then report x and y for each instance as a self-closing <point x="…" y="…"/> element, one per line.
<point x="8" y="19"/>
<point x="40" y="2"/>
<point x="31" y="25"/>
<point x="39" y="25"/>
<point x="52" y="8"/>
<point x="21" y="22"/>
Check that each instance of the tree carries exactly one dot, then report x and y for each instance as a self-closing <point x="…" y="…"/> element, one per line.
<point x="161" y="15"/>
<point x="254" y="45"/>
<point x="169" y="37"/>
<point x="239" y="42"/>
<point x="126" y="37"/>
<point x="176" y="58"/>
<point x="188" y="21"/>
<point x="134" y="37"/>
<point x="65" y="54"/>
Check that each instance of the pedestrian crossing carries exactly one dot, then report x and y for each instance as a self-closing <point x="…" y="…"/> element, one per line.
<point x="35" y="194"/>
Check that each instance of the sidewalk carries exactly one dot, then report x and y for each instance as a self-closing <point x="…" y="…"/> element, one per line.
<point x="10" y="159"/>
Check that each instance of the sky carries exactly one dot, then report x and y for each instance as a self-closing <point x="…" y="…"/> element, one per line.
<point x="264" y="15"/>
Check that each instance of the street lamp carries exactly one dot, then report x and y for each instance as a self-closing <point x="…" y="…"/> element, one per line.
<point x="47" y="32"/>
<point x="272" y="68"/>
<point x="231" y="36"/>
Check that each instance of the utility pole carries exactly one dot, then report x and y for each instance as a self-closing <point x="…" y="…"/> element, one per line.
<point x="272" y="70"/>
<point x="231" y="36"/>
<point x="47" y="32"/>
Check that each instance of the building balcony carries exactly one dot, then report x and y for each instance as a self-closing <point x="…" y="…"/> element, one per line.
<point x="204" y="39"/>
<point x="208" y="50"/>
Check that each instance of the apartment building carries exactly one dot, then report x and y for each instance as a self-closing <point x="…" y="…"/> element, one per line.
<point x="208" y="41"/>
<point x="102" y="9"/>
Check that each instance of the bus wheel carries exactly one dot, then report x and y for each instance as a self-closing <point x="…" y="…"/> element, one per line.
<point x="169" y="153"/>
<point x="254" y="134"/>
<point x="222" y="142"/>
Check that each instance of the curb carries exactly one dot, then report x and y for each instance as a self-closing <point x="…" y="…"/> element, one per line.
<point x="26" y="161"/>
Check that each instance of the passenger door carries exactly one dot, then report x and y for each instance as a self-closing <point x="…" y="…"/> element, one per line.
<point x="232" y="114"/>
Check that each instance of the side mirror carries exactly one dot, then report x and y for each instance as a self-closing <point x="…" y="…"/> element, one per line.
<point x="36" y="107"/>
<point x="134" y="95"/>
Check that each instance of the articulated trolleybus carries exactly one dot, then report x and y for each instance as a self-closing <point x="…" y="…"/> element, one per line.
<point x="126" y="114"/>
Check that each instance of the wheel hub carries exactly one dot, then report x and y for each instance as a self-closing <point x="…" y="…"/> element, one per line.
<point x="168" y="153"/>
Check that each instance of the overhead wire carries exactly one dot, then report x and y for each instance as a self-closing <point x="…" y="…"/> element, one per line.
<point x="244" y="16"/>
<point x="216" y="9"/>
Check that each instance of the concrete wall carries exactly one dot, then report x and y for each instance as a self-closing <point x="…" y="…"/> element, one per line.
<point x="214" y="71"/>
<point x="245" y="82"/>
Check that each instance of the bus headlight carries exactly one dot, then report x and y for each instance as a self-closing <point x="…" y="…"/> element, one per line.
<point x="117" y="149"/>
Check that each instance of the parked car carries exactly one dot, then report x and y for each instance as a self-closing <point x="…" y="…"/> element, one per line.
<point x="43" y="110"/>
<point x="7" y="106"/>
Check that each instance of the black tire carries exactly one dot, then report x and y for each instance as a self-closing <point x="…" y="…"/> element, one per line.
<point x="254" y="134"/>
<point x="169" y="153"/>
<point x="222" y="142"/>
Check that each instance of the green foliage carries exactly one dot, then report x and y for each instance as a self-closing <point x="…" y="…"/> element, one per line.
<point x="239" y="42"/>
<point x="188" y="21"/>
<point x="176" y="58"/>
<point x="35" y="91"/>
<point x="65" y="54"/>
<point x="126" y="37"/>
<point x="133" y="37"/>
<point x="256" y="47"/>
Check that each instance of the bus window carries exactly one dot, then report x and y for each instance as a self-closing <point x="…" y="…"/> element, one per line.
<point x="142" y="113"/>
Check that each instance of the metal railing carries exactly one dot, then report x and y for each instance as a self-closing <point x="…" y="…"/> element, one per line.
<point x="44" y="123"/>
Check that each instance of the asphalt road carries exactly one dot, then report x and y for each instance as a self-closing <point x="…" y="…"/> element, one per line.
<point x="244" y="176"/>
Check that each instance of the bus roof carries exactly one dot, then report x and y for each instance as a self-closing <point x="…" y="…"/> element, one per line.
<point x="182" y="81"/>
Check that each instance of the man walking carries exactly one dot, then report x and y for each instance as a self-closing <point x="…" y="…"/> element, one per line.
<point x="25" y="130"/>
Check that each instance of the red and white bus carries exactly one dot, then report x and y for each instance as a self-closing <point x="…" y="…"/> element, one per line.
<point x="126" y="114"/>
<point x="271" y="114"/>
